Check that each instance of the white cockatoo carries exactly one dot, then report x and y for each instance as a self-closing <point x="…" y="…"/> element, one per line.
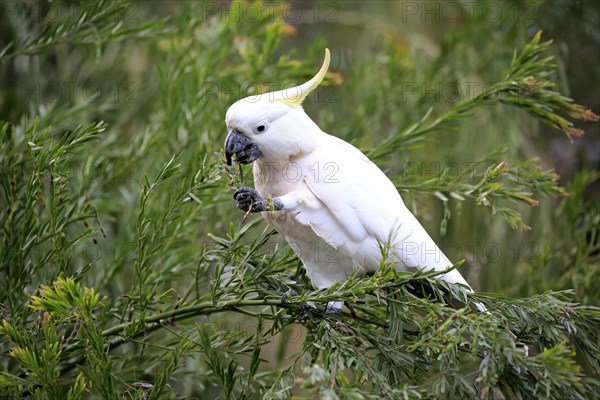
<point x="333" y="206"/>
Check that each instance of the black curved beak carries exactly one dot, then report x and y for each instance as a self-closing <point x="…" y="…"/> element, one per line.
<point x="245" y="150"/>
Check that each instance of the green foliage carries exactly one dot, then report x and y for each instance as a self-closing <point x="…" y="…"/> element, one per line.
<point x="127" y="272"/>
<point x="93" y="25"/>
<point x="579" y="222"/>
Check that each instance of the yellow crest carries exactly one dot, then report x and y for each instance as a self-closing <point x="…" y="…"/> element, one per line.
<point x="295" y="96"/>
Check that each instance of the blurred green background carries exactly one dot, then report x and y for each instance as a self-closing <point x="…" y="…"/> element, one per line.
<point x="162" y="75"/>
<point x="166" y="90"/>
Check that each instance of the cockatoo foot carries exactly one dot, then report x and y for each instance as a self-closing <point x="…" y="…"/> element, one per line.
<point x="301" y="308"/>
<point x="287" y="295"/>
<point x="332" y="307"/>
<point x="248" y="199"/>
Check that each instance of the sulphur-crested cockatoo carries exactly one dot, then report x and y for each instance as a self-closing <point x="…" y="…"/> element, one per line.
<point x="334" y="206"/>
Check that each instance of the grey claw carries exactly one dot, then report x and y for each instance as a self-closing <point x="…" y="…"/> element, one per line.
<point x="247" y="197"/>
<point x="299" y="308"/>
<point x="287" y="295"/>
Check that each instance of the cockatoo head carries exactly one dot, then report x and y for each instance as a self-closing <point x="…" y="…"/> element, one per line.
<point x="273" y="125"/>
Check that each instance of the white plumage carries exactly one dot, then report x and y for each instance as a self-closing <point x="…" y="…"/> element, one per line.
<point x="337" y="207"/>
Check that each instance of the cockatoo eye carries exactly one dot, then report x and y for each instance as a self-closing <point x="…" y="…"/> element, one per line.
<point x="261" y="127"/>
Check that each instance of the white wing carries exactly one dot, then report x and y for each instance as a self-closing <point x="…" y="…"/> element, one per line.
<point x="360" y="210"/>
